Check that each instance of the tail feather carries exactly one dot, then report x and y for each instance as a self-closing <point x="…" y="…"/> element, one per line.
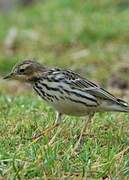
<point x="123" y="103"/>
<point x="119" y="106"/>
<point x="121" y="109"/>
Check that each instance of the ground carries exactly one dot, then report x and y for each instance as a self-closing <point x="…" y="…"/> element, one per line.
<point x="90" y="37"/>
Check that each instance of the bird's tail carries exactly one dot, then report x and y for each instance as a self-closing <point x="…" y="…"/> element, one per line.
<point x="118" y="106"/>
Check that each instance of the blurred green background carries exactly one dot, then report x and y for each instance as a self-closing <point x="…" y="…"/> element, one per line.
<point x="90" y="37"/>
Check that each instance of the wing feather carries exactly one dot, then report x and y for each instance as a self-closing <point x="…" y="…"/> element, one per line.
<point x="75" y="81"/>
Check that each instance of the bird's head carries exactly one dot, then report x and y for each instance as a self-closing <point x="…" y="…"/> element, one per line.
<point x="26" y="71"/>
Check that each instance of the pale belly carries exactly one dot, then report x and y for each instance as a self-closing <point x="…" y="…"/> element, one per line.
<point x="69" y="104"/>
<point x="71" y="108"/>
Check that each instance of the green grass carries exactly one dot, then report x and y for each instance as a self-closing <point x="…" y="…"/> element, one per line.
<point x="104" y="150"/>
<point x="57" y="33"/>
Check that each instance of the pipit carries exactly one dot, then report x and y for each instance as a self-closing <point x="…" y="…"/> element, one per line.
<point x="67" y="92"/>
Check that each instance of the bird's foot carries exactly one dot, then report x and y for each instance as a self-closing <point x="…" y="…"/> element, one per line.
<point x="37" y="137"/>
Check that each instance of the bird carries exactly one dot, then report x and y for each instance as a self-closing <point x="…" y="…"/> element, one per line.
<point x="67" y="92"/>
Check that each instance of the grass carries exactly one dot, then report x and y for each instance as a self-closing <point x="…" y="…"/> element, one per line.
<point x="89" y="37"/>
<point x="103" y="153"/>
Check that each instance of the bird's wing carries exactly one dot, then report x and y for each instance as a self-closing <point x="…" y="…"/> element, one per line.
<point x="75" y="81"/>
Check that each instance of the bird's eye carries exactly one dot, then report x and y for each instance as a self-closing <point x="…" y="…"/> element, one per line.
<point x="21" y="70"/>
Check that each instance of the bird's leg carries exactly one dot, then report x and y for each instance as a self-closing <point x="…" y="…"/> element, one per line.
<point x="81" y="133"/>
<point x="58" y="121"/>
<point x="58" y="118"/>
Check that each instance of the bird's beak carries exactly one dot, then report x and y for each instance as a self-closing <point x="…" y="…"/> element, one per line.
<point x="8" y="76"/>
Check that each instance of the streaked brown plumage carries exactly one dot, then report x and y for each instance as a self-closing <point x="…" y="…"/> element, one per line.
<point x="66" y="91"/>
